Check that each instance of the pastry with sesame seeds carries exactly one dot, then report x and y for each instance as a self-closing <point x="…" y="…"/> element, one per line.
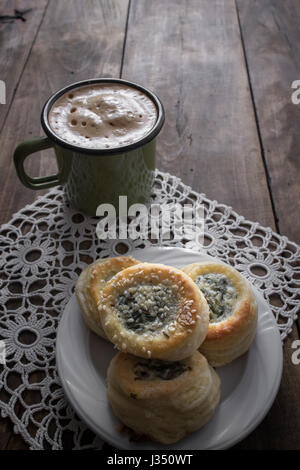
<point x="90" y="284"/>
<point x="154" y="311"/>
<point x="232" y="311"/>
<point x="162" y="400"/>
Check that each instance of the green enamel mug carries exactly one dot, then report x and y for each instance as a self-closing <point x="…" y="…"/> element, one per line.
<point x="91" y="177"/>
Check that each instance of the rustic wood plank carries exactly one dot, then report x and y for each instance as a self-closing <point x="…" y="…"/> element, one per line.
<point x="77" y="40"/>
<point x="271" y="35"/>
<point x="280" y="429"/>
<point x="195" y="63"/>
<point x="17" y="38"/>
<point x="190" y="54"/>
<point x="194" y="52"/>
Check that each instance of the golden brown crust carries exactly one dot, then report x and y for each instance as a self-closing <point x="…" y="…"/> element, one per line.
<point x="184" y="335"/>
<point x="90" y="284"/>
<point x="230" y="338"/>
<point x="164" y="410"/>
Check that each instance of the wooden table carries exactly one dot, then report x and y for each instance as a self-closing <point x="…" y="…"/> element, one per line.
<point x="223" y="70"/>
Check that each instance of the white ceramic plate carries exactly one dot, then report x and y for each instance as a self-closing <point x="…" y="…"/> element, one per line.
<point x="249" y="384"/>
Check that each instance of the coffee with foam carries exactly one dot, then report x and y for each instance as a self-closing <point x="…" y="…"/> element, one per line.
<point x="103" y="116"/>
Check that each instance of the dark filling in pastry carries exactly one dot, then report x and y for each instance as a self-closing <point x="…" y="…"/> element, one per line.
<point x="220" y="294"/>
<point x="147" y="308"/>
<point x="154" y="369"/>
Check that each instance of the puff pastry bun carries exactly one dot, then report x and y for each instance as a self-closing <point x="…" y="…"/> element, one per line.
<point x="154" y="311"/>
<point x="163" y="400"/>
<point x="232" y="308"/>
<point x="90" y="284"/>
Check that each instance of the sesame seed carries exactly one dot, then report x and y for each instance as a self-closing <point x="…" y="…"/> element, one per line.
<point x="147" y="307"/>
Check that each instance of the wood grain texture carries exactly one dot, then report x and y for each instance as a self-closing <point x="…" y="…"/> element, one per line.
<point x="271" y="36"/>
<point x="16" y="40"/>
<point x="77" y="40"/>
<point x="190" y="54"/>
<point x="280" y="428"/>
<point x="195" y="63"/>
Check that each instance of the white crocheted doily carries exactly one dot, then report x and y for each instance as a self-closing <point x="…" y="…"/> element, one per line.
<point x="44" y="248"/>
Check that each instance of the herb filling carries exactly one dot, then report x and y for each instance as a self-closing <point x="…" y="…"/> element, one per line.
<point x="154" y="369"/>
<point x="220" y="294"/>
<point x="147" y="307"/>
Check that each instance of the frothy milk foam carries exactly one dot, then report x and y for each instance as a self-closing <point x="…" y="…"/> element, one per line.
<point x="103" y="116"/>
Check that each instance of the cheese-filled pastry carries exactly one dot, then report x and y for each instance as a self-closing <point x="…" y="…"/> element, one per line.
<point x="91" y="283"/>
<point x="154" y="311"/>
<point x="163" y="400"/>
<point x="232" y="311"/>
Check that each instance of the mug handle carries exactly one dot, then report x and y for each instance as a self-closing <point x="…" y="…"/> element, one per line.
<point x="22" y="152"/>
